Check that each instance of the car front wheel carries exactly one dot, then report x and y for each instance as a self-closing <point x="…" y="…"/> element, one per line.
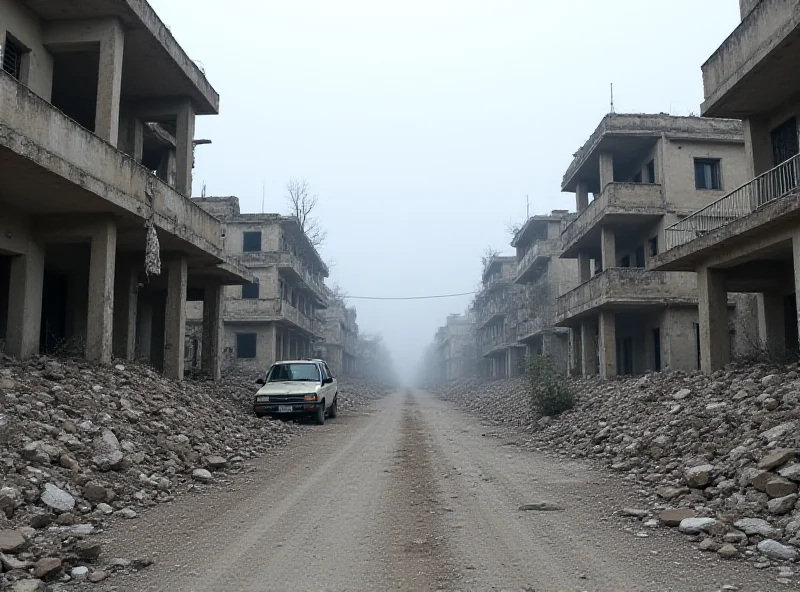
<point x="319" y="417"/>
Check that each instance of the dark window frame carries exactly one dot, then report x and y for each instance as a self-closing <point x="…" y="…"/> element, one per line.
<point x="251" y="291"/>
<point x="639" y="256"/>
<point x="13" y="54"/>
<point x="651" y="172"/>
<point x="625" y="261"/>
<point x="654" y="246"/>
<point x="250" y="235"/>
<point x="711" y="174"/>
<point x="243" y="348"/>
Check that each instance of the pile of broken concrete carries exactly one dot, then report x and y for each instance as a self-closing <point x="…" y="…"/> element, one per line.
<point x="354" y="392"/>
<point x="81" y="445"/>
<point x="716" y="454"/>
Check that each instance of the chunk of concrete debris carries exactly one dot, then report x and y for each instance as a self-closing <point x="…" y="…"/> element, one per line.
<point x="695" y="525"/>
<point x="202" y="475"/>
<point x="775" y="550"/>
<point x="12" y="541"/>
<point x="674" y="516"/>
<point x="540" y="507"/>
<point x="56" y="498"/>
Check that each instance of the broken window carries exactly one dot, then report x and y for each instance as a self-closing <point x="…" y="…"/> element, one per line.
<point x="245" y="345"/>
<point x="12" y="57"/>
<point x="251" y="242"/>
<point x="640" y="256"/>
<point x="651" y="171"/>
<point x="706" y="173"/>
<point x="250" y="291"/>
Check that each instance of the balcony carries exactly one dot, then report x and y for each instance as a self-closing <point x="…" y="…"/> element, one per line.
<point x="619" y="203"/>
<point x="492" y="313"/>
<point x="293" y="266"/>
<point x="755" y="69"/>
<point x="773" y="185"/>
<point x="52" y="165"/>
<point x="490" y="346"/>
<point x="536" y="259"/>
<point x="626" y="288"/>
<point x="269" y="310"/>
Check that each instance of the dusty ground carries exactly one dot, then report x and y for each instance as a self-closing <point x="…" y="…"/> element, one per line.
<point x="412" y="494"/>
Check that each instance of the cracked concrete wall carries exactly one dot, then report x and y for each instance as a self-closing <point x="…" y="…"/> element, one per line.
<point x="26" y="28"/>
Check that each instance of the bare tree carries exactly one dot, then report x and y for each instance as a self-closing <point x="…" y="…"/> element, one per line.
<point x="513" y="228"/>
<point x="338" y="294"/>
<point x="302" y="205"/>
<point x="488" y="254"/>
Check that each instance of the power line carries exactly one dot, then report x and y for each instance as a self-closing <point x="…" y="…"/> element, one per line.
<point x="408" y="297"/>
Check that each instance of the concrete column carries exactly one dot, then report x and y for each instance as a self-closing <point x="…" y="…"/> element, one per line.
<point x="772" y="330"/>
<point x="581" y="196"/>
<point x="126" y="297"/>
<point x="109" y="82"/>
<point x="575" y="353"/>
<point x="606" y="170"/>
<point x="184" y="154"/>
<point x="588" y="349"/>
<point x="608" y="343"/>
<point x="213" y="331"/>
<point x="131" y="138"/>
<point x="608" y="247"/>
<point x="144" y="332"/>
<point x="796" y="262"/>
<point x="175" y="318"/>
<point x="25" y="302"/>
<point x="584" y="267"/>
<point x="100" y="311"/>
<point x="758" y="147"/>
<point x="715" y="344"/>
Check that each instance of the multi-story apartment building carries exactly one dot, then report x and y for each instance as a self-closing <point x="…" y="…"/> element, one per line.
<point x="455" y="345"/>
<point x="97" y="116"/>
<point x="544" y="276"/>
<point x="340" y="345"/>
<point x="276" y="316"/>
<point x="644" y="172"/>
<point x="749" y="239"/>
<point x="497" y="307"/>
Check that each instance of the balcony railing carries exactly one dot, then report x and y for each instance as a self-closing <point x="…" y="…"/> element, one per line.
<point x="768" y="187"/>
<point x="632" y="198"/>
<point x="629" y="285"/>
<point x="269" y="309"/>
<point x="314" y="282"/>
<point x="541" y="249"/>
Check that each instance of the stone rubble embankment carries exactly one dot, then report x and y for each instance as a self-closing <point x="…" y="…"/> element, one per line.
<point x="82" y="445"/>
<point x="715" y="455"/>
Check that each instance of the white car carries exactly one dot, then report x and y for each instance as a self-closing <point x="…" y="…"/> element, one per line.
<point x="297" y="388"/>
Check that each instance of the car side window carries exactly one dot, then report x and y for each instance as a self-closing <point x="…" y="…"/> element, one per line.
<point x="324" y="371"/>
<point x="328" y="370"/>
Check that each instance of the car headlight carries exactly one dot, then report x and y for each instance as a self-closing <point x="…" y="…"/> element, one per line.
<point x="262" y="399"/>
<point x="311" y="397"/>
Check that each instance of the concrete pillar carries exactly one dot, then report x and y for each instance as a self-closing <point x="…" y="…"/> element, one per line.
<point x="584" y="267"/>
<point x="100" y="311"/>
<point x="109" y="82"/>
<point x="175" y="318"/>
<point x="131" y="136"/>
<point x="772" y="330"/>
<point x="796" y="262"/>
<point x="575" y="353"/>
<point x="608" y="247"/>
<point x="213" y="331"/>
<point x="25" y="302"/>
<point x="758" y="147"/>
<point x="184" y="152"/>
<point x="581" y="196"/>
<point x="126" y="297"/>
<point x="588" y="349"/>
<point x="715" y="344"/>
<point x="608" y="343"/>
<point x="606" y="170"/>
<point x="144" y="324"/>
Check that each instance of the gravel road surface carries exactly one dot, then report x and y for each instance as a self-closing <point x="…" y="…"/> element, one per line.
<point x="413" y="494"/>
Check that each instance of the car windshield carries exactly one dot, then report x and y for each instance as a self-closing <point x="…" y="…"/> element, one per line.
<point x="293" y="373"/>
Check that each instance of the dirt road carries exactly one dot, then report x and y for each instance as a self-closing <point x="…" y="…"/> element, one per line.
<point x="412" y="494"/>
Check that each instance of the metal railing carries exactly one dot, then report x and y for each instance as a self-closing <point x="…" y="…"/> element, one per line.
<point x="768" y="187"/>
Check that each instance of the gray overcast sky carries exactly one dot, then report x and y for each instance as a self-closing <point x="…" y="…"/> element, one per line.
<point x="423" y="124"/>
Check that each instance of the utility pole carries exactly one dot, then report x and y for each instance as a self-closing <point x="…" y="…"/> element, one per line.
<point x="527" y="207"/>
<point x="612" y="97"/>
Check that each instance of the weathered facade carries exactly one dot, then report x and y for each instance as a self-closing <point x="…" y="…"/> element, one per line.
<point x="97" y="119"/>
<point x="276" y="316"/>
<point x="456" y="343"/>
<point x="644" y="172"/>
<point x="544" y="276"/>
<point x="340" y="333"/>
<point x="749" y="239"/>
<point x="497" y="308"/>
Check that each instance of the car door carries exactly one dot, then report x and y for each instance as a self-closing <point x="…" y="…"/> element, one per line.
<point x="332" y="385"/>
<point x="326" y="388"/>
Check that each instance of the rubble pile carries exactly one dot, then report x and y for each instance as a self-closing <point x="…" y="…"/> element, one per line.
<point x="715" y="455"/>
<point x="81" y="444"/>
<point x="354" y="393"/>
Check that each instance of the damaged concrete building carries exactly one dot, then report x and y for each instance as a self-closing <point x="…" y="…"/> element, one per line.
<point x="497" y="307"/>
<point x="276" y="316"/>
<point x="544" y="276"/>
<point x="455" y="349"/>
<point x="340" y="338"/>
<point x="749" y="239"/>
<point x="644" y="172"/>
<point x="97" y="114"/>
